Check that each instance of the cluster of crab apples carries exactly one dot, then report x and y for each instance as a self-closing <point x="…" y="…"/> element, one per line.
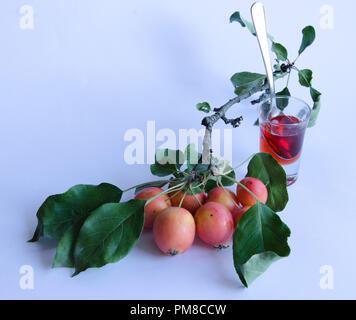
<point x="176" y="217"/>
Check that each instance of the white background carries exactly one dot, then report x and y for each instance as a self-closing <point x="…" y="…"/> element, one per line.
<point x="90" y="70"/>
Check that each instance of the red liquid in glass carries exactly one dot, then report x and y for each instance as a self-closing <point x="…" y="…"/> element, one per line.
<point x="282" y="137"/>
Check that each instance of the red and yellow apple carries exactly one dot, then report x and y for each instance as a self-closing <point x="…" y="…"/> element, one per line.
<point x="237" y="214"/>
<point x="215" y="224"/>
<point x="256" y="187"/>
<point x="156" y="206"/>
<point x="223" y="196"/>
<point x="189" y="202"/>
<point x="174" y="230"/>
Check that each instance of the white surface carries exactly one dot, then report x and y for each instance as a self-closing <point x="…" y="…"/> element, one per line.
<point x="90" y="70"/>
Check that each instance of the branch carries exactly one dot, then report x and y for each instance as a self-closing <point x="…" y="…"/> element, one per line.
<point x="234" y="122"/>
<point x="260" y="99"/>
<point x="220" y="113"/>
<point x="206" y="147"/>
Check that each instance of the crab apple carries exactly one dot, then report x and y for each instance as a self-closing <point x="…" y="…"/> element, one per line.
<point x="215" y="224"/>
<point x="256" y="186"/>
<point x="223" y="196"/>
<point x="237" y="214"/>
<point x="174" y="230"/>
<point x="190" y="202"/>
<point x="156" y="206"/>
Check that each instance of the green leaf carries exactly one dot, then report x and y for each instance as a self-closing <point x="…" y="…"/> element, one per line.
<point x="247" y="79"/>
<point x="60" y="211"/>
<point x="202" y="168"/>
<point x="167" y="162"/>
<point x="315" y="94"/>
<point x="305" y="77"/>
<point x="210" y="185"/>
<point x="227" y="182"/>
<point x="256" y="266"/>
<point x="260" y="239"/>
<point x="65" y="248"/>
<point x="195" y="188"/>
<point x="308" y="38"/>
<point x="241" y="90"/>
<point x="280" y="51"/>
<point x="108" y="234"/>
<point x="236" y="17"/>
<point x="192" y="155"/>
<point x="314" y="114"/>
<point x="277" y="67"/>
<point x="284" y="92"/>
<point x="283" y="103"/>
<point x="265" y="168"/>
<point x="204" y="106"/>
<point x="244" y="23"/>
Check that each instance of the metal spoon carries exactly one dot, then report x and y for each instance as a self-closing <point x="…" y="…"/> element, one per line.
<point x="259" y="21"/>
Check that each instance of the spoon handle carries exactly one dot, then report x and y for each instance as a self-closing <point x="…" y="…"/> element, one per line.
<point x="259" y="21"/>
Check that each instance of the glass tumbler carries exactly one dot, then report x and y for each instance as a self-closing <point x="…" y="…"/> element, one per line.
<point x="283" y="121"/>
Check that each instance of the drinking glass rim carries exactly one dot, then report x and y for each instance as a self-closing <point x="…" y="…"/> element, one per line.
<point x="289" y="98"/>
